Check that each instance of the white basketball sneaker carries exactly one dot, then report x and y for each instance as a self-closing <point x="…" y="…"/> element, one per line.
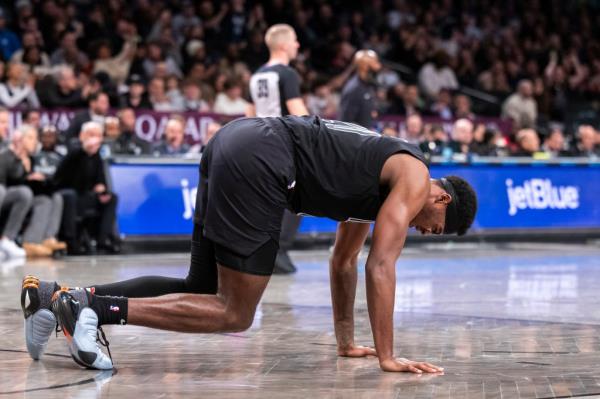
<point x="80" y="326"/>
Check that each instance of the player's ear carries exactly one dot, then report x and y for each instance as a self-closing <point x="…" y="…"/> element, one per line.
<point x="443" y="198"/>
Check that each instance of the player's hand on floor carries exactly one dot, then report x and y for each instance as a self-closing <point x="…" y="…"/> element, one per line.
<point x="402" y="364"/>
<point x="356" y="351"/>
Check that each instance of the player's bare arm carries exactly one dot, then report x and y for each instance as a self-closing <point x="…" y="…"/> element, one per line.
<point x="402" y="205"/>
<point x="350" y="239"/>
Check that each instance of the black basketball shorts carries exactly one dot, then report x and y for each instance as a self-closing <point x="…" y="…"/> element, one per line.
<point x="246" y="173"/>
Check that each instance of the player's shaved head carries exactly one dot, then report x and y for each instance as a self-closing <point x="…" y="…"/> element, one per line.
<point x="367" y="58"/>
<point x="279" y="35"/>
<point x="367" y="64"/>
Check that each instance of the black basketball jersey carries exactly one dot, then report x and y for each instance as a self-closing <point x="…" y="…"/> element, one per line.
<point x="338" y="166"/>
<point x="271" y="86"/>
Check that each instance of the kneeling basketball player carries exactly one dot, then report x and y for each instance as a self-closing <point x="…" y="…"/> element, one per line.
<point x="251" y="171"/>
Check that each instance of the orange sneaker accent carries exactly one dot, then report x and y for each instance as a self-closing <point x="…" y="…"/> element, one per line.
<point x="31" y="280"/>
<point x="30" y="286"/>
<point x="67" y="335"/>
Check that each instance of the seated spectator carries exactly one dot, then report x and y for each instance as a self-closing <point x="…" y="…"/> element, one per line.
<point x="98" y="107"/>
<point x="437" y="75"/>
<point x="136" y="97"/>
<point x="112" y="131"/>
<point x="15" y="203"/>
<point x="127" y="142"/>
<point x="192" y="98"/>
<point x="173" y="90"/>
<point x="63" y="91"/>
<point x="484" y="141"/>
<point x="4" y="127"/>
<point x="409" y="102"/>
<point x="81" y="177"/>
<point x="521" y="106"/>
<point x="39" y="237"/>
<point x="120" y="137"/>
<point x="528" y="143"/>
<point x="322" y="102"/>
<point x="47" y="159"/>
<point x="31" y="117"/>
<point x="413" y="129"/>
<point x="36" y="61"/>
<point x="554" y="144"/>
<point x="68" y="52"/>
<point x="158" y="96"/>
<point x="173" y="143"/>
<point x="29" y="41"/>
<point x="155" y="56"/>
<point x="442" y="107"/>
<point x="435" y="140"/>
<point x="461" y="136"/>
<point x="230" y="102"/>
<point x="212" y="129"/>
<point x="18" y="91"/>
<point x="587" y="142"/>
<point x="462" y="107"/>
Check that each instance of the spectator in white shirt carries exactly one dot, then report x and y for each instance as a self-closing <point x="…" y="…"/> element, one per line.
<point x="18" y="90"/>
<point x="521" y="106"/>
<point x="230" y="102"/>
<point x="437" y="75"/>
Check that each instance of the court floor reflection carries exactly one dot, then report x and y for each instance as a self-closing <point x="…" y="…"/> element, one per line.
<point x="505" y="322"/>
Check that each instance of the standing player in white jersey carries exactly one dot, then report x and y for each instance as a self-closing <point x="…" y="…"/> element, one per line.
<point x="275" y="91"/>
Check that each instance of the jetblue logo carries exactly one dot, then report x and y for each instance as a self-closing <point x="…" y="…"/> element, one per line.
<point x="540" y="194"/>
<point x="189" y="199"/>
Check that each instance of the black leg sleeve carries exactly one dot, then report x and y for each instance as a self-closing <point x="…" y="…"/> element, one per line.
<point x="142" y="287"/>
<point x="202" y="277"/>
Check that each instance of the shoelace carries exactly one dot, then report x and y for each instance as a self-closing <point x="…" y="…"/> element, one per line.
<point x="103" y="341"/>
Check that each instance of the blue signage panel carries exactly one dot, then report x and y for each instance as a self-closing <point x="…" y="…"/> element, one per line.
<point x="157" y="199"/>
<point x="532" y="196"/>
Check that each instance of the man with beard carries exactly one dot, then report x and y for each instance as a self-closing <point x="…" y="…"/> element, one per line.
<point x="358" y="96"/>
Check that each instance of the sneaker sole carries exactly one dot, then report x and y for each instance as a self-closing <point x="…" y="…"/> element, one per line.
<point x="38" y="329"/>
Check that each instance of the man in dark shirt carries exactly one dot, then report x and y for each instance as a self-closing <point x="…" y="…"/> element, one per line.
<point x="251" y="171"/>
<point x="358" y="95"/>
<point x="128" y="142"/>
<point x="136" y="97"/>
<point x="62" y="91"/>
<point x="82" y="173"/>
<point x="174" y="140"/>
<point x="98" y="106"/>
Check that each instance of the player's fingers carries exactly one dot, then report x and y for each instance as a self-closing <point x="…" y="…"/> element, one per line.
<point x="428" y="368"/>
<point x="414" y="369"/>
<point x="438" y="368"/>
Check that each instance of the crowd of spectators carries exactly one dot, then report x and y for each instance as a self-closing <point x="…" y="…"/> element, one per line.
<point x="535" y="59"/>
<point x="465" y="139"/>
